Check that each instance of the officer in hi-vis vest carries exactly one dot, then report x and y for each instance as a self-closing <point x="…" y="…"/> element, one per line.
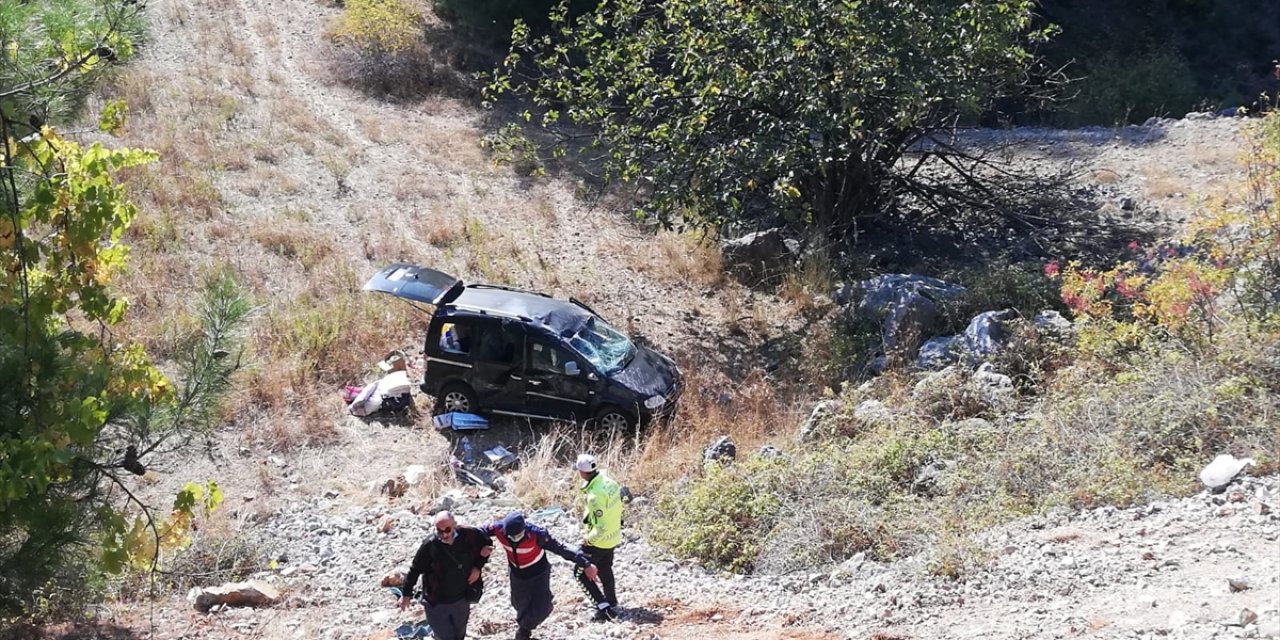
<point x="602" y="523"/>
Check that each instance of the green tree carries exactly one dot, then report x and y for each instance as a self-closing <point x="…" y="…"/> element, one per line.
<point x="78" y="406"/>
<point x="717" y="111"/>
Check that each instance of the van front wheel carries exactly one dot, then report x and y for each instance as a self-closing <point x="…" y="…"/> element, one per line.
<point x="611" y="418"/>
<point x="459" y="398"/>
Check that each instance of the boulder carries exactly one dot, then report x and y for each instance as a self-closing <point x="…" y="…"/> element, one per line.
<point x="904" y="305"/>
<point x="819" y="418"/>
<point x="414" y="474"/>
<point x="252" y="593"/>
<point x="722" y="450"/>
<point x="758" y="252"/>
<point x="910" y="318"/>
<point x="995" y="387"/>
<point x="770" y="452"/>
<point x="1224" y="468"/>
<point x="872" y="413"/>
<point x="875" y="297"/>
<point x="937" y="353"/>
<point x="1050" y="320"/>
<point x="986" y="333"/>
<point x="931" y="479"/>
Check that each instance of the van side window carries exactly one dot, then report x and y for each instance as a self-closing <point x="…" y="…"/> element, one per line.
<point x="546" y="358"/>
<point x="456" y="337"/>
<point x="499" y="343"/>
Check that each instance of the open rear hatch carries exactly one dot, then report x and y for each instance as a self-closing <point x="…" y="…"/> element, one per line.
<point x="416" y="284"/>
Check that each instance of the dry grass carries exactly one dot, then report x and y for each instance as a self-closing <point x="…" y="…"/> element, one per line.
<point x="1105" y="176"/>
<point x="674" y="257"/>
<point x="805" y="287"/>
<point x="1161" y="184"/>
<point x="658" y="457"/>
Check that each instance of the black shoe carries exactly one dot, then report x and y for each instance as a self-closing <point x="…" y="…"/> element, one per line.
<point x="605" y="614"/>
<point x="524" y="634"/>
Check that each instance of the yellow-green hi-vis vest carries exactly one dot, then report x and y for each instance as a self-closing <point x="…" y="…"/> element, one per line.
<point x="602" y="500"/>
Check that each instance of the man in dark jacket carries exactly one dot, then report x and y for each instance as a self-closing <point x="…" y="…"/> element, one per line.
<point x="527" y="546"/>
<point x="450" y="565"/>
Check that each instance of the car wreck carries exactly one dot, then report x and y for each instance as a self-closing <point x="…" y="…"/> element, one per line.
<point x="500" y="350"/>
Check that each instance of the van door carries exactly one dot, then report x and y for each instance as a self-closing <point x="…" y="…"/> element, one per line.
<point x="495" y="358"/>
<point x="556" y="382"/>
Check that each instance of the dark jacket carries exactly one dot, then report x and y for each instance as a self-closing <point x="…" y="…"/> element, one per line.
<point x="444" y="568"/>
<point x="528" y="557"/>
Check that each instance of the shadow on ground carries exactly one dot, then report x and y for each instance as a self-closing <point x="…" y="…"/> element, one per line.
<point x="68" y="631"/>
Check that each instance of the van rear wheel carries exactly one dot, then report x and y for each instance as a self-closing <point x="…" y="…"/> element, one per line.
<point x="612" y="418"/>
<point x="459" y="398"/>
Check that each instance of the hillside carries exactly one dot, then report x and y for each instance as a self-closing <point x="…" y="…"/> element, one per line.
<point x="305" y="186"/>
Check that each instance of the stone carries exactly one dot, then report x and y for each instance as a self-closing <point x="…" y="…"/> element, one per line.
<point x="414" y="474"/>
<point x="442" y="503"/>
<point x="937" y="352"/>
<point x="987" y="333"/>
<point x="1236" y="586"/>
<point x="252" y="593"/>
<point x="1051" y="320"/>
<point x="394" y="487"/>
<point x="722" y="450"/>
<point x="1224" y="468"/>
<point x="818" y="419"/>
<point x="757" y="253"/>
<point x="911" y="317"/>
<point x="1247" y="617"/>
<point x="770" y="452"/>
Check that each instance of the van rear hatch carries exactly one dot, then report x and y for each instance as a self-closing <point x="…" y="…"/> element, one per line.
<point x="418" y="284"/>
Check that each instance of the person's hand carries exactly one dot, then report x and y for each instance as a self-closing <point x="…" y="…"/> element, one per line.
<point x="404" y="602"/>
<point x="591" y="572"/>
<point x="475" y="575"/>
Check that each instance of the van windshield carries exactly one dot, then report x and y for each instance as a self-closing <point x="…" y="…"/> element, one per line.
<point x="606" y="348"/>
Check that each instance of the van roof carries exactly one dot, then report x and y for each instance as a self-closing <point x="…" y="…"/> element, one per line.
<point x="560" y="316"/>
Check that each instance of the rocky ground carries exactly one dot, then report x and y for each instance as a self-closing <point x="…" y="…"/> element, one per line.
<point x="1207" y="566"/>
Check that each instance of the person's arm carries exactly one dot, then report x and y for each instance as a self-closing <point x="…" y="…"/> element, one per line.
<point x="554" y="546"/>
<point x="483" y="546"/>
<point x="421" y="566"/>
<point x="594" y="504"/>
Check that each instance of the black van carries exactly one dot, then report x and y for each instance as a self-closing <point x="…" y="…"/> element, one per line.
<point x="500" y="350"/>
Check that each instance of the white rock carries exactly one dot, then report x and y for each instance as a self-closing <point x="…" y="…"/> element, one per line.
<point x="1223" y="470"/>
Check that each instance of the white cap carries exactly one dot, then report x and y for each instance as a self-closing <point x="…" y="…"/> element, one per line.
<point x="586" y="462"/>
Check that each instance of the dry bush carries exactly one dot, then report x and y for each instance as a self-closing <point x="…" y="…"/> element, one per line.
<point x="805" y="286"/>
<point x="1105" y="176"/>
<point x="220" y="551"/>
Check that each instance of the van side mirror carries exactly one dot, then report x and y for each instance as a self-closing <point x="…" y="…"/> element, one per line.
<point x="571" y="368"/>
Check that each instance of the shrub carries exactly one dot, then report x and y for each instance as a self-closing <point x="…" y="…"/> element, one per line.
<point x="380" y="26"/>
<point x="381" y="47"/>
<point x="1128" y="90"/>
<point x="723" y="518"/>
<point x="1022" y="286"/>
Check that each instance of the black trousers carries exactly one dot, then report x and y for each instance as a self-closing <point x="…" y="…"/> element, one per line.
<point x="603" y="560"/>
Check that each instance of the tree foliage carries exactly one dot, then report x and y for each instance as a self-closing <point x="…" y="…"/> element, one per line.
<point x="78" y="406"/>
<point x="720" y="111"/>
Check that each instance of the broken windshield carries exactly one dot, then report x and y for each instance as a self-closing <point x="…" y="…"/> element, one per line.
<point x="606" y="348"/>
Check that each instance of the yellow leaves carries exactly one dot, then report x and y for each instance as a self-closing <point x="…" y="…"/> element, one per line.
<point x="8" y="234"/>
<point x="388" y="26"/>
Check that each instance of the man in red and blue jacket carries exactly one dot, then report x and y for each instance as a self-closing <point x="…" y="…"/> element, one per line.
<point x="527" y="546"/>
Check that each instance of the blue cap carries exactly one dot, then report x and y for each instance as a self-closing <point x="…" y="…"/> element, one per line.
<point x="513" y="524"/>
